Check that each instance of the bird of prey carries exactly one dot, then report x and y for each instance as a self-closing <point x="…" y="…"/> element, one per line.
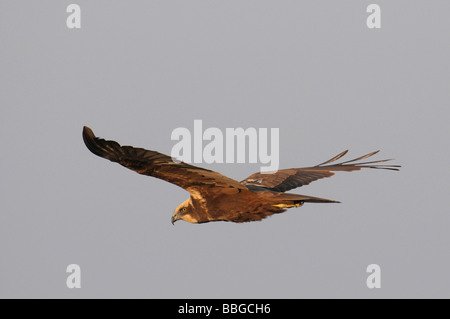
<point x="215" y="197"/>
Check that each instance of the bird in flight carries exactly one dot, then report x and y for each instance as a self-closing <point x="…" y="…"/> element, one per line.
<point x="215" y="197"/>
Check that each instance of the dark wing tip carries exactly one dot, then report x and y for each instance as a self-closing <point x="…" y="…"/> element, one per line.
<point x="352" y="165"/>
<point x="99" y="147"/>
<point x="87" y="134"/>
<point x="89" y="141"/>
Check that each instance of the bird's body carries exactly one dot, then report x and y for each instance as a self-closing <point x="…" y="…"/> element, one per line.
<point x="239" y="205"/>
<point x="215" y="197"/>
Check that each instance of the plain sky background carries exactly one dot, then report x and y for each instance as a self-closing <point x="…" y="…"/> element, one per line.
<point x="136" y="70"/>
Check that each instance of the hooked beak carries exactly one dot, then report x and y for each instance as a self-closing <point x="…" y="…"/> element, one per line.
<point x="174" y="219"/>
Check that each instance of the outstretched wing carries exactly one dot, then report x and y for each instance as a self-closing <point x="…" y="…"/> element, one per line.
<point x="192" y="178"/>
<point x="286" y="179"/>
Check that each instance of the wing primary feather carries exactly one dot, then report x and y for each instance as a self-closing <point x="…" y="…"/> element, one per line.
<point x="361" y="157"/>
<point x="389" y="167"/>
<point x="334" y="158"/>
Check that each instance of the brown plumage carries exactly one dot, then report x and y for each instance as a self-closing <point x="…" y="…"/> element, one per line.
<point x="215" y="197"/>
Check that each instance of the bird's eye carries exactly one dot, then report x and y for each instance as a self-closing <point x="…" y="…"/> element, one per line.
<point x="183" y="209"/>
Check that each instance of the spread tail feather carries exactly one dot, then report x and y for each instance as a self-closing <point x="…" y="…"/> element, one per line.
<point x="295" y="200"/>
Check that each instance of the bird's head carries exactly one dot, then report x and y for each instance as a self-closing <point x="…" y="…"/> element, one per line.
<point x="185" y="212"/>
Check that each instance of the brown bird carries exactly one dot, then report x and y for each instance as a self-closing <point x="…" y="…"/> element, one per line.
<point x="215" y="197"/>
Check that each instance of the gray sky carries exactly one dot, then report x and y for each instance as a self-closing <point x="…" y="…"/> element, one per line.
<point x="136" y="70"/>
